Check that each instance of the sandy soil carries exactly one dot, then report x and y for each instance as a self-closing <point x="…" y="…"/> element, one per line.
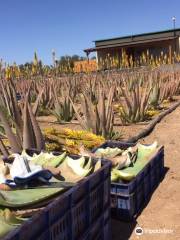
<point x="125" y="131"/>
<point x="163" y="209"/>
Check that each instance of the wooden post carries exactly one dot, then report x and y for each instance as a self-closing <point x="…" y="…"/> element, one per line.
<point x="170" y="54"/>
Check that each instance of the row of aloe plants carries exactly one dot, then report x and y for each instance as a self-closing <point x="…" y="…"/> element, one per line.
<point x="89" y="98"/>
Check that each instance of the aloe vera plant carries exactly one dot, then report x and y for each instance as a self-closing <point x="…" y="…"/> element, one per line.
<point x="63" y="109"/>
<point x="47" y="95"/>
<point x="23" y="132"/>
<point x="169" y="88"/>
<point x="135" y="104"/>
<point x="164" y="87"/>
<point x="155" y="95"/>
<point x="98" y="117"/>
<point x="11" y="104"/>
<point x="51" y="90"/>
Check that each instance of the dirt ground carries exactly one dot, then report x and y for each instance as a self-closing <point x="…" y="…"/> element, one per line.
<point x="126" y="131"/>
<point x="163" y="210"/>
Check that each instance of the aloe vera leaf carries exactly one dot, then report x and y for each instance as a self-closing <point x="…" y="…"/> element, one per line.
<point x="9" y="95"/>
<point x="3" y="149"/>
<point x="77" y="169"/>
<point x="80" y="120"/>
<point x="82" y="161"/>
<point x="24" y="154"/>
<point x="121" y="161"/>
<point x="145" y="99"/>
<point x="146" y="150"/>
<point x="67" y="173"/>
<point x="10" y="218"/>
<point x="90" y="114"/>
<point x="108" y="152"/>
<point x="55" y="161"/>
<point x="15" y="145"/>
<point x="88" y="164"/>
<point x="109" y="109"/>
<point x="28" y="133"/>
<point x="40" y="142"/>
<point x="36" y="104"/>
<point x="5" y="228"/>
<point x="109" y="102"/>
<point x="98" y="122"/>
<point x="6" y="97"/>
<point x="97" y="165"/>
<point x="127" y="97"/>
<point x="102" y="112"/>
<point x="41" y="158"/>
<point x="26" y="197"/>
<point x="15" y="110"/>
<point x="123" y="175"/>
<point x="78" y="162"/>
<point x="135" y="96"/>
<point x="114" y="177"/>
<point x="143" y="157"/>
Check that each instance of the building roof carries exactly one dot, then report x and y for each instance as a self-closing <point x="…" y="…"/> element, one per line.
<point x="139" y="35"/>
<point x="132" y="40"/>
<point x="130" y="44"/>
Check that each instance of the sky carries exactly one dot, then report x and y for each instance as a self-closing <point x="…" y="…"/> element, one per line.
<point x="69" y="26"/>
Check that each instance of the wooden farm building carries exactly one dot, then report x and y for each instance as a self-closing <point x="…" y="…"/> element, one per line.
<point x="155" y="43"/>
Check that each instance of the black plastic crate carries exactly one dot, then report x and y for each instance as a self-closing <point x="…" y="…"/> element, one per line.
<point x="128" y="199"/>
<point x="101" y="229"/>
<point x="73" y="214"/>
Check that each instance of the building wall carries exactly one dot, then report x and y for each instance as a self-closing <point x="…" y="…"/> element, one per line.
<point x="167" y="47"/>
<point x="106" y="54"/>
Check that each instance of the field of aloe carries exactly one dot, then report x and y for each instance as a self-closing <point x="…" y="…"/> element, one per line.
<point x="100" y="104"/>
<point x="95" y="101"/>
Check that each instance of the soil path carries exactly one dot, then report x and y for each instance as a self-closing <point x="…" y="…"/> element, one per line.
<point x="163" y="210"/>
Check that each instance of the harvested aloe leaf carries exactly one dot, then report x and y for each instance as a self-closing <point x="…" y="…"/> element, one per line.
<point x="123" y="161"/>
<point x="127" y="158"/>
<point x="8" y="221"/>
<point x="97" y="165"/>
<point x="143" y="157"/>
<point x="24" y="154"/>
<point x="76" y="166"/>
<point x="81" y="161"/>
<point x="88" y="164"/>
<point x="26" y="197"/>
<point x="114" y="176"/>
<point x="5" y="228"/>
<point x="67" y="173"/>
<point x="45" y="159"/>
<point x="123" y="175"/>
<point x="108" y="152"/>
<point x="41" y="158"/>
<point x="9" y="217"/>
<point x="146" y="150"/>
<point x="55" y="161"/>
